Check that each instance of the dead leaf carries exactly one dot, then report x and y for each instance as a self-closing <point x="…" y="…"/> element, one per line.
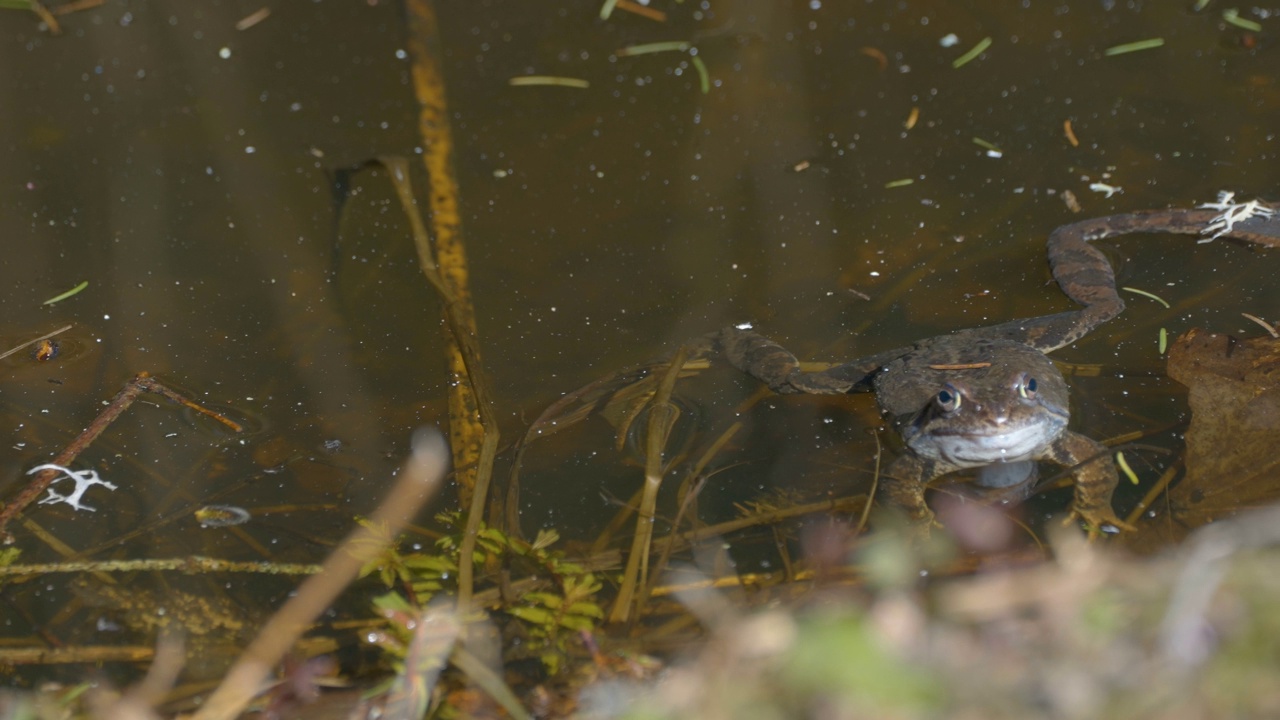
<point x="1232" y="463"/>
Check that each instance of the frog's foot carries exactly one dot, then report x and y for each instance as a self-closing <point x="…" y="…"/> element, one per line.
<point x="920" y="529"/>
<point x="1096" y="520"/>
<point x="769" y="362"/>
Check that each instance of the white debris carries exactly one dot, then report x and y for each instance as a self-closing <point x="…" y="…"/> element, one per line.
<point x="84" y="480"/>
<point x="1232" y="213"/>
<point x="1105" y="188"/>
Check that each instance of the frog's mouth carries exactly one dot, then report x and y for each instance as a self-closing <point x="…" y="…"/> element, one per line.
<point x="975" y="447"/>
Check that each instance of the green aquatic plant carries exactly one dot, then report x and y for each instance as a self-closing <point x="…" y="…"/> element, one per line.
<point x="557" y="602"/>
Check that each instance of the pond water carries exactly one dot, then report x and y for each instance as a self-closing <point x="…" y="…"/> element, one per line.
<point x="185" y="168"/>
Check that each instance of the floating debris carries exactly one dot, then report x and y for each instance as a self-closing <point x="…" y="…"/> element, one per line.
<point x="876" y="54"/>
<point x="554" y="80"/>
<point x="704" y="77"/>
<point x="1271" y="330"/>
<point x="1144" y="293"/>
<point x="644" y="11"/>
<point x="1073" y="204"/>
<point x="1071" y="135"/>
<point x="1105" y="188"/>
<point x="1232" y="17"/>
<point x="977" y="50"/>
<point x="1232" y="213"/>
<point x="253" y="18"/>
<point x="993" y="150"/>
<point x="912" y="118"/>
<point x="45" y="350"/>
<point x="211" y="516"/>
<point x="1149" y="44"/>
<point x="73" y="291"/>
<point x="37" y="341"/>
<point x="1124" y="467"/>
<point x="84" y="480"/>
<point x="656" y="47"/>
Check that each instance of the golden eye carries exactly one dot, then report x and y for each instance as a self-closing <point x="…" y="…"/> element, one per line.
<point x="948" y="399"/>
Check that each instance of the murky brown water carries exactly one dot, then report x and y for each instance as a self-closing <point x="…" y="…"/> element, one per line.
<point x="604" y="225"/>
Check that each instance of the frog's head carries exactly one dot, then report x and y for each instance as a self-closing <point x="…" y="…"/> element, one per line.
<point x="1004" y="412"/>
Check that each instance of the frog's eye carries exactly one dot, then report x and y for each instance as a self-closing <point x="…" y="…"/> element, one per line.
<point x="948" y="399"/>
<point x="1027" y="387"/>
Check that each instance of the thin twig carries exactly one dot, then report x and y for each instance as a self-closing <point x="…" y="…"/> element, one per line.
<point x="187" y="565"/>
<point x="142" y="382"/>
<point x="29" y="343"/>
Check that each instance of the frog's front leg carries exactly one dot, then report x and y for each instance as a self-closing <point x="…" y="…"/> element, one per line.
<point x="1096" y="479"/>
<point x="903" y="486"/>
<point x="777" y="367"/>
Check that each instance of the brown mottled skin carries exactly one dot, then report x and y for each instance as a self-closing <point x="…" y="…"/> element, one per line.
<point x="1009" y="411"/>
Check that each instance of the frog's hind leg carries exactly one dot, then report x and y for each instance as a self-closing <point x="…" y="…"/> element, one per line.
<point x="775" y="366"/>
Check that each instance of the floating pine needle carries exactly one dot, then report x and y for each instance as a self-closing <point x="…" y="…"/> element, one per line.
<point x="37" y="341"/>
<point x="977" y="50"/>
<point x="1140" y="45"/>
<point x="992" y="149"/>
<point x="253" y="18"/>
<point x="1124" y="467"/>
<point x="882" y="62"/>
<point x="650" y="48"/>
<point x="43" y="13"/>
<point x="644" y="11"/>
<point x="556" y="80"/>
<point x="961" y="366"/>
<point x="704" y="78"/>
<point x="73" y="291"/>
<point x="1200" y="5"/>
<point x="898" y="183"/>
<point x="71" y="7"/>
<point x="1271" y="330"/>
<point x="607" y="9"/>
<point x="1071" y="135"/>
<point x="1164" y="340"/>
<point x="912" y="118"/>
<point x="1144" y="293"/>
<point x="1232" y="17"/>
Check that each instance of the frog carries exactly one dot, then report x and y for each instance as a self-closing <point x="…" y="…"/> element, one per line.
<point x="989" y="398"/>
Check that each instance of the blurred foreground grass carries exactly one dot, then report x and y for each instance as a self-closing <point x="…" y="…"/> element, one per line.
<point x="1090" y="634"/>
